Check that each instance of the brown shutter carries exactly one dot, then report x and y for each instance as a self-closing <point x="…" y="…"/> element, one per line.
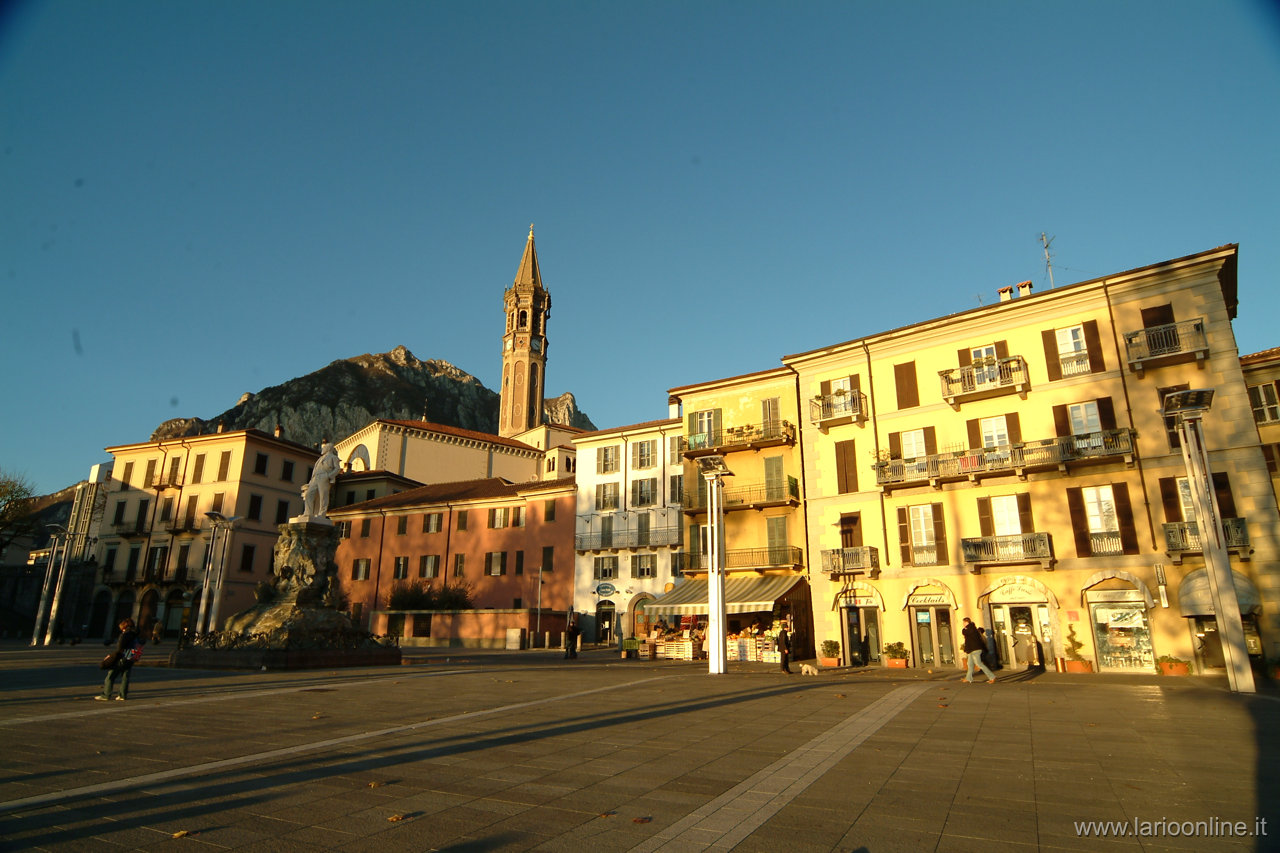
<point x="1014" y="427"/>
<point x="930" y="441"/>
<point x="895" y="445"/>
<point x="855" y="383"/>
<point x="1268" y="453"/>
<point x="904" y="535"/>
<point x="1079" y="522"/>
<point x="975" y="433"/>
<point x="846" y="468"/>
<point x="1106" y="413"/>
<point x="1024" y="513"/>
<point x="824" y="388"/>
<point x="1061" y="421"/>
<point x="1124" y="510"/>
<point x="965" y="357"/>
<point x="904" y="377"/>
<point x="1052" y="361"/>
<point x="940" y="536"/>
<point x="1157" y="315"/>
<point x="1093" y="341"/>
<point x="1171" y="500"/>
<point x="985" y="527"/>
<point x="1222" y="491"/>
<point x="1002" y="349"/>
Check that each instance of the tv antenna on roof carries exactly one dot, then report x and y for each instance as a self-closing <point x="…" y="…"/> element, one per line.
<point x="1048" y="259"/>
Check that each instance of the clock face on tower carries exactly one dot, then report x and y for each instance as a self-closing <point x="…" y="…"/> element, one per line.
<point x="536" y="344"/>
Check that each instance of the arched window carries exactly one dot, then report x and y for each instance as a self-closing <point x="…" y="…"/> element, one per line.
<point x="524" y="318"/>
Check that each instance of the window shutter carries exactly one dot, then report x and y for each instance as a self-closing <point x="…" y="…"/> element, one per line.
<point x="1124" y="510"/>
<point x="824" y="388"/>
<point x="904" y="377"/>
<point x="964" y="356"/>
<point x="1025" y="522"/>
<point x="985" y="527"/>
<point x="1269" y="454"/>
<point x="930" y="441"/>
<point x="846" y="468"/>
<point x="975" y="433"/>
<point x="1171" y="500"/>
<point x="717" y="424"/>
<point x="1222" y="491"/>
<point x="855" y="383"/>
<point x="1002" y="349"/>
<point x="1157" y="315"/>
<point x="1061" y="421"/>
<point x="1106" y="413"/>
<point x="1079" y="522"/>
<point x="940" y="536"/>
<point x="1013" y="427"/>
<point x="1052" y="362"/>
<point x="895" y="445"/>
<point x="1093" y="341"/>
<point x="904" y="535"/>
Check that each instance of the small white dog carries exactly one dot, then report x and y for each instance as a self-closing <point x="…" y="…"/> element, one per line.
<point x="808" y="669"/>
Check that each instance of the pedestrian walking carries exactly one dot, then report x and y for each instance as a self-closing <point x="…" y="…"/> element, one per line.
<point x="974" y="646"/>
<point x="571" y="639"/>
<point x="120" y="663"/>
<point x="784" y="649"/>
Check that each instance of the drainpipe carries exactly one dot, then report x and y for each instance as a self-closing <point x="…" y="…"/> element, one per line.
<point x="875" y="435"/>
<point x="377" y="575"/>
<point x="1128" y="408"/>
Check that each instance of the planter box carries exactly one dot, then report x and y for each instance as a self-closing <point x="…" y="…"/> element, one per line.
<point x="1179" y="668"/>
<point x="829" y="662"/>
<point x="1078" y="665"/>
<point x="896" y="663"/>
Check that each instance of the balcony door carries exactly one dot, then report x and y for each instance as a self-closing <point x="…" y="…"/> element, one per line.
<point x="1086" y="426"/>
<point x="986" y="367"/>
<point x="776" y="529"/>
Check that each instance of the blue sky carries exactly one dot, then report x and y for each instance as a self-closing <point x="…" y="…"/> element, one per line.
<point x="199" y="199"/>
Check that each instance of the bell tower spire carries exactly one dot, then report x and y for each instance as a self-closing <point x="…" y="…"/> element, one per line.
<point x="524" y="346"/>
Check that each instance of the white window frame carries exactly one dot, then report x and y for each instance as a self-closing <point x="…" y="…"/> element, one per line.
<point x="1100" y="509"/>
<point x="607" y="460"/>
<point x="645" y="454"/>
<point x="1266" y="406"/>
<point x="1073" y="351"/>
<point x="606" y="496"/>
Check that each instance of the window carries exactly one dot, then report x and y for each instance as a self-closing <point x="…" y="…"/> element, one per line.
<point x="344" y="529"/>
<point x="606" y="568"/>
<point x="246" y="558"/>
<point x="673" y="450"/>
<point x="495" y="563"/>
<point x="400" y="568"/>
<point x="607" y="460"/>
<point x="459" y="565"/>
<point x="1073" y="352"/>
<point x="286" y="470"/>
<point x="678" y="560"/>
<point x="519" y="562"/>
<point x="517" y="516"/>
<point x="166" y="509"/>
<point x="260" y="464"/>
<point x="429" y="566"/>
<point x="175" y="468"/>
<point x="847" y="466"/>
<point x="462" y="520"/>
<point x="851" y="530"/>
<point x="184" y="557"/>
<point x="770" y="417"/>
<point x="606" y="496"/>
<point x="904" y="378"/>
<point x="995" y="431"/>
<point x="365" y="524"/>
<point x="109" y="560"/>
<point x="1006" y="519"/>
<point x="922" y="535"/>
<point x="677" y="488"/>
<point x="644" y="454"/>
<point x="548" y="511"/>
<point x="131" y="569"/>
<point x="1266" y="408"/>
<point x="1084" y="418"/>
<point x="644" y="492"/>
<point x="216" y="504"/>
<point x="126" y="476"/>
<point x="432" y="522"/>
<point x="913" y="444"/>
<point x="282" y="512"/>
<point x="1102" y="520"/>
<point x="360" y="569"/>
<point x="551" y="463"/>
<point x="704" y="428"/>
<point x="644" y="566"/>
<point x="369" y="494"/>
<point x="402" y="525"/>
<point x="190" y="522"/>
<point x="143" y="506"/>
<point x="498" y="517"/>
<point x="255" y="508"/>
<point x="224" y="466"/>
<point x="1171" y="421"/>
<point x="548" y="558"/>
<point x="150" y="479"/>
<point x="197" y="472"/>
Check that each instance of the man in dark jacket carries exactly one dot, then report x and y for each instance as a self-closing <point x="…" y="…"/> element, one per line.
<point x="974" y="646"/>
<point x="128" y="650"/>
<point x="784" y="650"/>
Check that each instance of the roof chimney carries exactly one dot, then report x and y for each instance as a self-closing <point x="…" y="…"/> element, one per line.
<point x="1024" y="289"/>
<point x="279" y="431"/>
<point x="1006" y="294"/>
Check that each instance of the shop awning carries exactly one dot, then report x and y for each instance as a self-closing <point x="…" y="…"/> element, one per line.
<point x="741" y="595"/>
<point x="1194" y="598"/>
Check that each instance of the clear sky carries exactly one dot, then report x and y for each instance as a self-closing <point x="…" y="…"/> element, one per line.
<point x="199" y="199"/>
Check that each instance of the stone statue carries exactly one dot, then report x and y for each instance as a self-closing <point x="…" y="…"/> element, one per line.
<point x="315" y="494"/>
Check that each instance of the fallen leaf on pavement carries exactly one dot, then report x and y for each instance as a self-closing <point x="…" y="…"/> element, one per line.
<point x="641" y="819"/>
<point x="396" y="817"/>
<point x="181" y="833"/>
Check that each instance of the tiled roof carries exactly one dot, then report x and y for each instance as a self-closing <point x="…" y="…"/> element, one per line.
<point x="1264" y="355"/>
<point x="644" y="425"/>
<point x="427" y="426"/>
<point x="465" y="490"/>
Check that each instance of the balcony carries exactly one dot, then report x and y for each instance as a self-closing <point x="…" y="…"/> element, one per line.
<point x="842" y="407"/>
<point x="759" y="559"/>
<point x="177" y="574"/>
<point x="1170" y="344"/>
<point x="184" y="526"/>
<point x="162" y="481"/>
<point x="129" y="529"/>
<point x="748" y="437"/>
<point x="1005" y="550"/>
<point x="923" y="555"/>
<point x="988" y="377"/>
<point x="1105" y="544"/>
<point x="753" y="496"/>
<point x="1183" y="537"/>
<point x="852" y="561"/>
<point x="619" y="539"/>
<point x="1007" y="459"/>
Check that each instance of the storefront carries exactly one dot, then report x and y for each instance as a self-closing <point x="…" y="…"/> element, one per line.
<point x="1118" y="604"/>
<point x="1196" y="603"/>
<point x="1023" y="611"/>
<point x="860" y="608"/>
<point x="755" y="609"/>
<point x="930" y="607"/>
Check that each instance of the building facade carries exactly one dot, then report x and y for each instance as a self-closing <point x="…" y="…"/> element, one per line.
<point x="629" y="525"/>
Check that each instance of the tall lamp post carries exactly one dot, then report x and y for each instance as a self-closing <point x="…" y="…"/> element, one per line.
<point x="714" y="471"/>
<point x="67" y="540"/>
<point x="212" y="586"/>
<point x="1189" y="407"/>
<point x="537" y="631"/>
<point x="59" y="538"/>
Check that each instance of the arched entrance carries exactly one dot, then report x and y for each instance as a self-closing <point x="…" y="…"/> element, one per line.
<point x="1196" y="603"/>
<point x="124" y="609"/>
<point x="860" y="607"/>
<point x="640" y="621"/>
<point x="147" y="612"/>
<point x="173" y="613"/>
<point x="606" y="623"/>
<point x="1118" y="603"/>
<point x="1023" y="613"/>
<point x="931" y="606"/>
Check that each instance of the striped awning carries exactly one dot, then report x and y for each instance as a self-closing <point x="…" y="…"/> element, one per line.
<point x="741" y="595"/>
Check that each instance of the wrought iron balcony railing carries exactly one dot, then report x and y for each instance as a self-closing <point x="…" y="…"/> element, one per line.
<point x="767" y="434"/>
<point x="848" y="561"/>
<point x="985" y="377"/>
<point x="1166" y="344"/>
<point x="1106" y="543"/>
<point x="1183" y="537"/>
<point x="777" y="557"/>
<point x="1014" y="548"/>
<point x="841" y="407"/>
<point x="924" y="555"/>
<point x="653" y="537"/>
<point x="129" y="528"/>
<point x="971" y="464"/>
<point x="166" y="480"/>
<point x="750" y="496"/>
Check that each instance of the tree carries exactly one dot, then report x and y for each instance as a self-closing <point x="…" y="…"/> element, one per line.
<point x="17" y="517"/>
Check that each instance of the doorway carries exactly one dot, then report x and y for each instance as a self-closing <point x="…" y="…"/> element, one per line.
<point x="934" y="636"/>
<point x="1022" y="634"/>
<point x="862" y="635"/>
<point x="605" y="622"/>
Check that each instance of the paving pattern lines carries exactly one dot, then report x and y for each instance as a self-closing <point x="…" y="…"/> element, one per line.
<point x="728" y="819"/>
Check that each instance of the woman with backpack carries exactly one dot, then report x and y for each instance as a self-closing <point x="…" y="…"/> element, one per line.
<point x="119" y="664"/>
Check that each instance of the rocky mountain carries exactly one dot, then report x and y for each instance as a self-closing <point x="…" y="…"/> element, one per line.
<point x="344" y="396"/>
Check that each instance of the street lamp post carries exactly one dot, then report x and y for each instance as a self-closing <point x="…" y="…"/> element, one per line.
<point x="212" y="585"/>
<point x="59" y="531"/>
<point x="1189" y="407"/>
<point x="47" y="589"/>
<point x="227" y="524"/>
<point x="714" y="471"/>
<point x="537" y="631"/>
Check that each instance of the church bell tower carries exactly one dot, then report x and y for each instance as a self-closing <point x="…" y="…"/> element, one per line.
<point x="524" y="347"/>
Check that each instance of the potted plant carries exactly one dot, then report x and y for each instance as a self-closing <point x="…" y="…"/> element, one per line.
<point x="1075" y="661"/>
<point x="896" y="655"/>
<point x="830" y="653"/>
<point x="1170" y="665"/>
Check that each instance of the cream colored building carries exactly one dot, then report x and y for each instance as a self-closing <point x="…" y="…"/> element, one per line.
<point x="1011" y="464"/>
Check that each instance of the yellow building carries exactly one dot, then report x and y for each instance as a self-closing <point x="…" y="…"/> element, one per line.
<point x="1012" y="464"/>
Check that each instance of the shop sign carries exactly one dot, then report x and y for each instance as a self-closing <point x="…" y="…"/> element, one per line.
<point x="606" y="589"/>
<point x="1101" y="595"/>
<point x="860" y="601"/>
<point x="927" y="599"/>
<point x="1016" y="592"/>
